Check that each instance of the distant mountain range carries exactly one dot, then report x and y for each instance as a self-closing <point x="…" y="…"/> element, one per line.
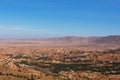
<point x="108" y="40"/>
<point x="68" y="41"/>
<point x="115" y="39"/>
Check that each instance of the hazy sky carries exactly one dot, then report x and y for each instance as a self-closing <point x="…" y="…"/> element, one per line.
<point x="50" y="18"/>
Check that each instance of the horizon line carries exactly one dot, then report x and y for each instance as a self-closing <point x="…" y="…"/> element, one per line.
<point x="58" y="37"/>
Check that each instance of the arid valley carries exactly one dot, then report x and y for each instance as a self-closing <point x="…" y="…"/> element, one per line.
<point x="59" y="39"/>
<point x="66" y="58"/>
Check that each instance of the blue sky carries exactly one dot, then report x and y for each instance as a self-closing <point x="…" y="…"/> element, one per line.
<point x="56" y="18"/>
